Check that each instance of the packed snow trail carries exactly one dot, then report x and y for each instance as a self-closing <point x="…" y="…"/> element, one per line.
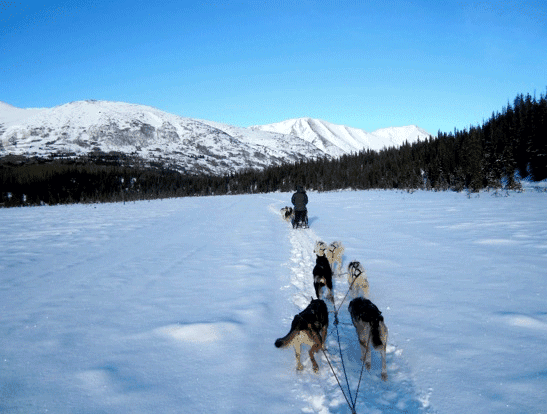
<point x="322" y="392"/>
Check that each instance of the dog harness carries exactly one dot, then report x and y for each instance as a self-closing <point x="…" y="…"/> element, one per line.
<point x="356" y="271"/>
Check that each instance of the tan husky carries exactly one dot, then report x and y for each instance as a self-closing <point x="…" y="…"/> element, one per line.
<point x="334" y="254"/>
<point x="357" y="280"/>
<point x="309" y="327"/>
<point x="370" y="327"/>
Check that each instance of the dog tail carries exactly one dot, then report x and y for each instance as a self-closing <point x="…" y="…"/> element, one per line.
<point x="376" y="339"/>
<point x="286" y="340"/>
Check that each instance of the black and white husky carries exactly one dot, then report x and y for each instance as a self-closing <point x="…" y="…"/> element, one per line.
<point x="370" y="327"/>
<point x="333" y="252"/>
<point x="322" y="277"/>
<point x="309" y="327"/>
<point x="287" y="213"/>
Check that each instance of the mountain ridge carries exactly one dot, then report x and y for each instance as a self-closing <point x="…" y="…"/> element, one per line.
<point x="341" y="139"/>
<point x="186" y="144"/>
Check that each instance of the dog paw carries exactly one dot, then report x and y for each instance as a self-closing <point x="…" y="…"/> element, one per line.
<point x="299" y="367"/>
<point x="367" y="366"/>
<point x="316" y="368"/>
<point x="384" y="376"/>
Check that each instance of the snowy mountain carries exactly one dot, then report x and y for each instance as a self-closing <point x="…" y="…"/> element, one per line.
<point x="337" y="140"/>
<point x="186" y="144"/>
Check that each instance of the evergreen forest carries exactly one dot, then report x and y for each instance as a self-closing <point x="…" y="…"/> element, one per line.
<point x="510" y="146"/>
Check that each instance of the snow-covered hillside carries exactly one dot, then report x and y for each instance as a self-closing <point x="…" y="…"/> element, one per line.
<point x="188" y="144"/>
<point x="173" y="306"/>
<point x="337" y="140"/>
<point x="184" y="143"/>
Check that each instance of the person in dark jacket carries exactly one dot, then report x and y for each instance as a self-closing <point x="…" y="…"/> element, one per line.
<point x="299" y="200"/>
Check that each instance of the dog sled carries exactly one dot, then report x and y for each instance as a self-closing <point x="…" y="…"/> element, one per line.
<point x="300" y="220"/>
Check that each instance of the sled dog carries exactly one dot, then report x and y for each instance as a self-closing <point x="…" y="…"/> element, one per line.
<point x="309" y="327"/>
<point x="287" y="213"/>
<point x="320" y="248"/>
<point x="370" y="327"/>
<point x="334" y="254"/>
<point x="322" y="276"/>
<point x="357" y="280"/>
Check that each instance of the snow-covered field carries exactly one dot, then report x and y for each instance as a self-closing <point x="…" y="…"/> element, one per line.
<point x="173" y="306"/>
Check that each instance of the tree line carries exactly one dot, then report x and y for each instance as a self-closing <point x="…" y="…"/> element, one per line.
<point x="511" y="144"/>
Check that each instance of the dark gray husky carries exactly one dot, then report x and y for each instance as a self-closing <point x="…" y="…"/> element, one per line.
<point x="370" y="327"/>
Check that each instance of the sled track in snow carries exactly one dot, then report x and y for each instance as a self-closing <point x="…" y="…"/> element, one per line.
<point x="321" y="392"/>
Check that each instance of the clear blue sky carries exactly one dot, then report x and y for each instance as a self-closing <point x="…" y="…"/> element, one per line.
<point x="437" y="64"/>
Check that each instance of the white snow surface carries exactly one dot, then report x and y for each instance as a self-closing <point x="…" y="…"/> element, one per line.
<point x="173" y="306"/>
<point x="338" y="140"/>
